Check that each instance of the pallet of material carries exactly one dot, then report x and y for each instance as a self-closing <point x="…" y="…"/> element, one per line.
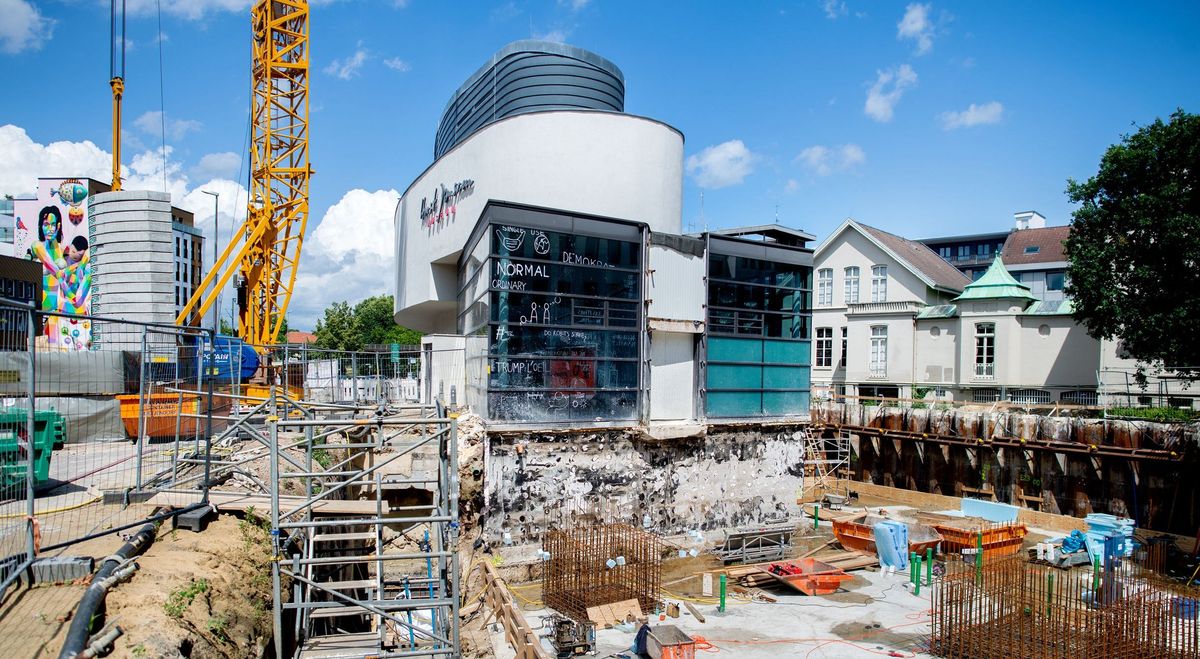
<point x="751" y="575"/>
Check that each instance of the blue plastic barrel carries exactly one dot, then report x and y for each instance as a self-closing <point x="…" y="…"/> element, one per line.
<point x="891" y="543"/>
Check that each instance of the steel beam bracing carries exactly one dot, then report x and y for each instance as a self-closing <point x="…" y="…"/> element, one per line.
<point x="342" y="574"/>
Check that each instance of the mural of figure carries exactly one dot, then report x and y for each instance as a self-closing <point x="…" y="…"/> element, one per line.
<point x="67" y="280"/>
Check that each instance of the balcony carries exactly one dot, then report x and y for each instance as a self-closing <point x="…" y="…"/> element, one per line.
<point x="875" y="308"/>
<point x="985" y="372"/>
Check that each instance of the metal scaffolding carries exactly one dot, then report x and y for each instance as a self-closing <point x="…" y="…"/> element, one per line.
<point x="824" y="457"/>
<point x="349" y="486"/>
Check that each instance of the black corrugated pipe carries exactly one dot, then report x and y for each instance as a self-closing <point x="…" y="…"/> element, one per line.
<point x="89" y="604"/>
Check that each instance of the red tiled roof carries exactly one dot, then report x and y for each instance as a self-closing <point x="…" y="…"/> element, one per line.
<point x="296" y="336"/>
<point x="921" y="258"/>
<point x="1018" y="249"/>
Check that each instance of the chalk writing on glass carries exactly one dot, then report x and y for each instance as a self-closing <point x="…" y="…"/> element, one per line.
<point x="571" y="258"/>
<point x="541" y="243"/>
<point x="510" y="237"/>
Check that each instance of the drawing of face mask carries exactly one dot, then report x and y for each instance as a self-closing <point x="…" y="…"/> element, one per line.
<point x="511" y="237"/>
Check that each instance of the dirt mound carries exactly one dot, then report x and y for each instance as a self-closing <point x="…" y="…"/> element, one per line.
<point x="203" y="595"/>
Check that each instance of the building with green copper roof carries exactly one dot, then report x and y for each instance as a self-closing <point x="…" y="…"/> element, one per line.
<point x="996" y="283"/>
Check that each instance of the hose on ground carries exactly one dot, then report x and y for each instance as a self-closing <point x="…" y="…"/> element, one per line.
<point x="76" y="644"/>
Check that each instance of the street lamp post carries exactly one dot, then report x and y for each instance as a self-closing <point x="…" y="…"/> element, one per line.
<point x="216" y="234"/>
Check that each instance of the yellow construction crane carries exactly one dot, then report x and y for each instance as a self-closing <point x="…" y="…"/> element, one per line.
<point x="265" y="251"/>
<point x="116" y="80"/>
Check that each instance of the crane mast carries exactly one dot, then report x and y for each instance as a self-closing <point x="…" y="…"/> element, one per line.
<point x="265" y="250"/>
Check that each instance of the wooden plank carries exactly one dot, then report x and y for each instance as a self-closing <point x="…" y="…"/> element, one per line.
<point x="261" y="502"/>
<point x="695" y="613"/>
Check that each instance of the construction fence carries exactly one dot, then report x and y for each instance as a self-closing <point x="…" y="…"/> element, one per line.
<point x="106" y="423"/>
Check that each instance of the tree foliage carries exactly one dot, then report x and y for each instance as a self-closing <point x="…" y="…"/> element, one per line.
<point x="1134" y="246"/>
<point x="369" y="322"/>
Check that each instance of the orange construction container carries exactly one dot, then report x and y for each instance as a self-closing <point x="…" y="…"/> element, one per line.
<point x="1004" y="539"/>
<point x="858" y="534"/>
<point x="808" y="575"/>
<point x="668" y="642"/>
<point x="162" y="417"/>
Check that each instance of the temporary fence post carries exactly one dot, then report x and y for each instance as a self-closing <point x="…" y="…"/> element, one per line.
<point x="208" y="429"/>
<point x="30" y="440"/>
<point x="354" y="374"/>
<point x="141" y="411"/>
<point x="273" y="424"/>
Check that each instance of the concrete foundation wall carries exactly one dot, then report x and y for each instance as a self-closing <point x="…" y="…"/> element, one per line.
<point x="729" y="478"/>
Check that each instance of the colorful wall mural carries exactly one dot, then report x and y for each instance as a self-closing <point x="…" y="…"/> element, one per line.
<point x="53" y="230"/>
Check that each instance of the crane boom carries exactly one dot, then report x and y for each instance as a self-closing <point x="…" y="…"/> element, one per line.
<point x="265" y="250"/>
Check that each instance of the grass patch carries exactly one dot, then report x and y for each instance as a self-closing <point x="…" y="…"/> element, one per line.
<point x="218" y="627"/>
<point x="1157" y="414"/>
<point x="179" y="600"/>
<point x="322" y="457"/>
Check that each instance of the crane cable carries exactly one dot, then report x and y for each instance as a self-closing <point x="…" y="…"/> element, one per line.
<point x="162" y="107"/>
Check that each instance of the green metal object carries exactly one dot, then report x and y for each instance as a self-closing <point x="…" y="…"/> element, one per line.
<point x="929" y="566"/>
<point x="1049" y="590"/>
<point x="721" y="608"/>
<point x="49" y="433"/>
<point x="979" y="558"/>
<point x="1096" y="576"/>
<point x="816" y="515"/>
<point x="917" y="580"/>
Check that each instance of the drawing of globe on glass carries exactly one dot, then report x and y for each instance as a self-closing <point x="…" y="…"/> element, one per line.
<point x="541" y="243"/>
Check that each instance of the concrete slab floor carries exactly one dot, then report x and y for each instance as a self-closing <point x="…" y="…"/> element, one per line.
<point x="873" y="615"/>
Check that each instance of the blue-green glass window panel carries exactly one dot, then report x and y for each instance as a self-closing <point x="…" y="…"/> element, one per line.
<point x="787" y="352"/>
<point x="785" y="402"/>
<point x="722" y="376"/>
<point x="785" y="377"/>
<point x="734" y="403"/>
<point x="722" y="349"/>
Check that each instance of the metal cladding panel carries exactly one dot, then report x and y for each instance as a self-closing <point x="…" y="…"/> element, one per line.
<point x="676" y="285"/>
<point x="529" y="76"/>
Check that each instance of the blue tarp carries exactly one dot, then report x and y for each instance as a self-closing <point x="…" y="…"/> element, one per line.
<point x="232" y="359"/>
<point x="1074" y="542"/>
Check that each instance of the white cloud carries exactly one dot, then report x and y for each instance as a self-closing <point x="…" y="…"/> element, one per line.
<point x="974" y="115"/>
<point x="187" y="9"/>
<point x="826" y="160"/>
<point x="25" y="160"/>
<point x="886" y="92"/>
<point x="218" y="165"/>
<point x="348" y="67"/>
<point x="23" y="27"/>
<point x="574" y="5"/>
<point x="791" y="186"/>
<point x="397" y="64"/>
<point x="348" y="256"/>
<point x="916" y="25"/>
<point x="151" y="124"/>
<point x="722" y="165"/>
<point x="557" y="36"/>
<point x="834" y="8"/>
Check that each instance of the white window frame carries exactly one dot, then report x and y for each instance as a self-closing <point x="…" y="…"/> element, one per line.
<point x="985" y="351"/>
<point x="824" y="341"/>
<point x="850" y="285"/>
<point x="879" y="283"/>
<point x="878" y="363"/>
<point x="825" y="287"/>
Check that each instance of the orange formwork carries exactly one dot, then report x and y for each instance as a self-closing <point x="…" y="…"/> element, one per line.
<point x="163" y="412"/>
<point x="808" y="575"/>
<point x="858" y="534"/>
<point x="998" y="539"/>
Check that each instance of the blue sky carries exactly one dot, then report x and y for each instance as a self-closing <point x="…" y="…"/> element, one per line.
<point x="919" y="118"/>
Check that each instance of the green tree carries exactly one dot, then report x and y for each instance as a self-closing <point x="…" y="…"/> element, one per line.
<point x="336" y="330"/>
<point x="1134" y="246"/>
<point x="375" y="324"/>
<point x="370" y="322"/>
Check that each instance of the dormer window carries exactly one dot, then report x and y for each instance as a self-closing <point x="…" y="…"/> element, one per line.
<point x="1032" y="249"/>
